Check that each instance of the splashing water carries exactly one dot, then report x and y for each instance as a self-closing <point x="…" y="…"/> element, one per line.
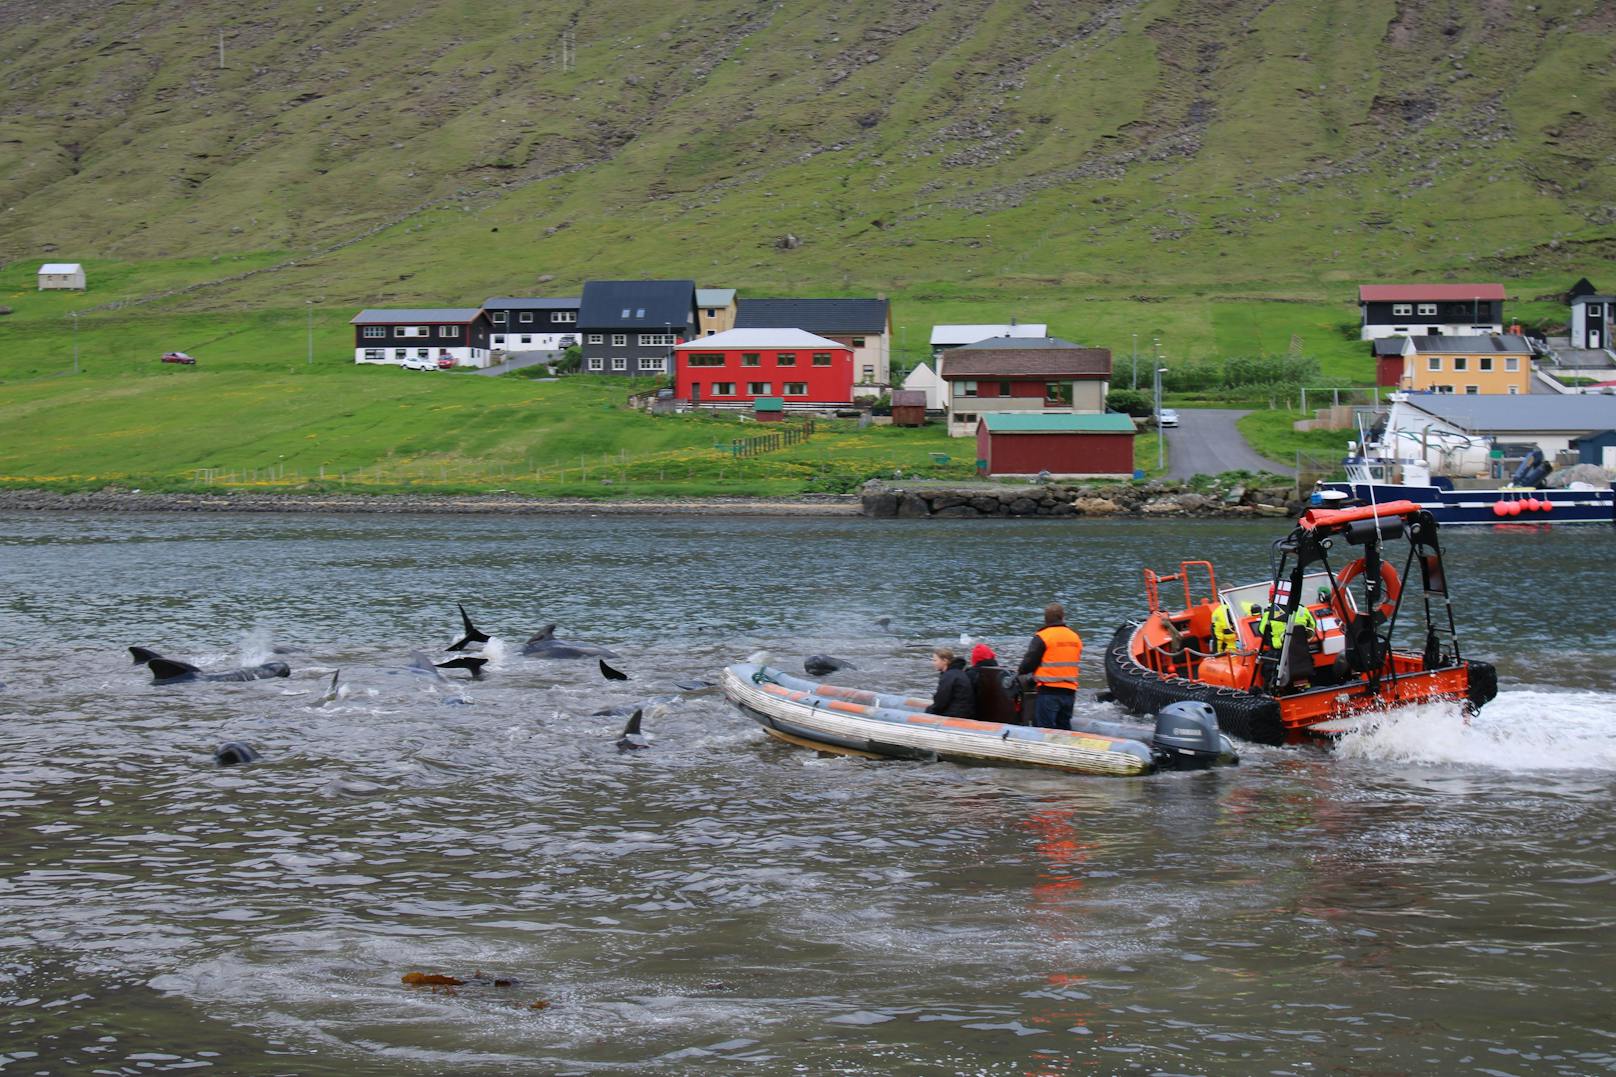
<point x="256" y="646"/>
<point x="1518" y="731"/>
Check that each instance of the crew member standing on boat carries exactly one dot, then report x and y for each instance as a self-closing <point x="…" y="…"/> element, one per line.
<point x="1052" y="658"/>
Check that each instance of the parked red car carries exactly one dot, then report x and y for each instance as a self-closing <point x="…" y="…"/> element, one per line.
<point x="178" y="357"/>
<point x="445" y="363"/>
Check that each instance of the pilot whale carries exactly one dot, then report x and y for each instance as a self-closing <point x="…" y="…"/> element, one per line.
<point x="818" y="665"/>
<point x="543" y="644"/>
<point x="170" y="671"/>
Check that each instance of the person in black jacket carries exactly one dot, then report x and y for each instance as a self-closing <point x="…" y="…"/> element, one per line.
<point x="993" y="702"/>
<point x="955" y="695"/>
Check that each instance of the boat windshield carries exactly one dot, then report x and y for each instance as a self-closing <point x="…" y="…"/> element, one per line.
<point x="1238" y="597"/>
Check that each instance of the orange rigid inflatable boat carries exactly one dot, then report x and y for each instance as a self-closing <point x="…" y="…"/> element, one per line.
<point x="1272" y="673"/>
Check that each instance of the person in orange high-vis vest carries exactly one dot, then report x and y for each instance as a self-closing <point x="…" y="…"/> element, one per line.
<point x="1052" y="659"/>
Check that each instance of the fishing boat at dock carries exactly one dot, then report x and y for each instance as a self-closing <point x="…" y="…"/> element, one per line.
<point x="852" y="721"/>
<point x="1271" y="685"/>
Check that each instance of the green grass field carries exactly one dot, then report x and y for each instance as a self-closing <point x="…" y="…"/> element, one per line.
<point x="1171" y="181"/>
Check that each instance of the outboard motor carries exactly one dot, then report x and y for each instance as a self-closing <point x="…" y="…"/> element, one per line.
<point x="1187" y="737"/>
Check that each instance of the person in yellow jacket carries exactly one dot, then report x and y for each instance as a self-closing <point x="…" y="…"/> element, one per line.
<point x="1052" y="659"/>
<point x="1274" y="624"/>
<point x="1224" y="636"/>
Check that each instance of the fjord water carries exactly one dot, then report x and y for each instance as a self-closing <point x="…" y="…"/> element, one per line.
<point x="1431" y="896"/>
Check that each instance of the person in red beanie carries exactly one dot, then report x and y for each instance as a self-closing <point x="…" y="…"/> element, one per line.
<point x="993" y="702"/>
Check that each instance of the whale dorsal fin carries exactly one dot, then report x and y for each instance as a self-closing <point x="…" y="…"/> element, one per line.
<point x="164" y="668"/>
<point x="547" y="632"/>
<point x="633" y="727"/>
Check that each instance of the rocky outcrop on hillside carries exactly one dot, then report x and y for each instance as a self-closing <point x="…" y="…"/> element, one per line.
<point x="1148" y="499"/>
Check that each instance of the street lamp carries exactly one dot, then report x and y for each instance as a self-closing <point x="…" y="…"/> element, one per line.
<point x="310" y="303"/>
<point x="1161" y="436"/>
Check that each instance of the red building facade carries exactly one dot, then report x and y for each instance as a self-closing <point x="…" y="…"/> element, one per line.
<point x="736" y="367"/>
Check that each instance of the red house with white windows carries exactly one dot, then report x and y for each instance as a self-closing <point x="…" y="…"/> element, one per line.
<point x="736" y="367"/>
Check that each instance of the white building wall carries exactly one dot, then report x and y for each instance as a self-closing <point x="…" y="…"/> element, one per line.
<point x="395" y="356"/>
<point x="926" y="380"/>
<point x="1415" y="328"/>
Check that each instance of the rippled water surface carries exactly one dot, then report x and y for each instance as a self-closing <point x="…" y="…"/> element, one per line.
<point x="1428" y="897"/>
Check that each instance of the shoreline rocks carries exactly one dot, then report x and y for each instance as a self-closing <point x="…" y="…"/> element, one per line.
<point x="1146" y="500"/>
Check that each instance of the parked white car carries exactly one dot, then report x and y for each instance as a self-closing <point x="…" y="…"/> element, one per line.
<point x="1168" y="417"/>
<point x="420" y="362"/>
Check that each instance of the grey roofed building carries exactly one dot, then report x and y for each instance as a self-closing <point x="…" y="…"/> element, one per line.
<point x="638" y="304"/>
<point x="1496" y="343"/>
<point x="1582" y="413"/>
<point x="714" y="297"/>
<point x="561" y="303"/>
<point x="417" y="314"/>
<point x="1388" y="346"/>
<point x="814" y="315"/>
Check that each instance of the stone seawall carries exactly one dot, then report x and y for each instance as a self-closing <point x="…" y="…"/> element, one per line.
<point x="1148" y="499"/>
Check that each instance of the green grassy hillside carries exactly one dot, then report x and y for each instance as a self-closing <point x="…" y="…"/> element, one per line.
<point x="1215" y="174"/>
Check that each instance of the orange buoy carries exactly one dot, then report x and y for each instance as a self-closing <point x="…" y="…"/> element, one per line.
<point x="1546" y="505"/>
<point x="1530" y="504"/>
<point x="1513" y="508"/>
<point x="1500" y="508"/>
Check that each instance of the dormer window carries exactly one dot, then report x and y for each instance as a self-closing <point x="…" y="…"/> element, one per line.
<point x="625" y="312"/>
<point x="640" y="313"/>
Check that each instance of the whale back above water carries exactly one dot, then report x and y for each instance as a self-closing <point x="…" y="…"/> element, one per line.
<point x="818" y="665"/>
<point x="171" y="671"/>
<point x="543" y="644"/>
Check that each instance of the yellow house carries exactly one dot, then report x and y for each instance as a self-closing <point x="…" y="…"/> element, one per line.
<point x="715" y="311"/>
<point x="1495" y="365"/>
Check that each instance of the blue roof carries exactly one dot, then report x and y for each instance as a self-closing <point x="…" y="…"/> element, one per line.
<point x="1037" y="422"/>
<point x="637" y="304"/>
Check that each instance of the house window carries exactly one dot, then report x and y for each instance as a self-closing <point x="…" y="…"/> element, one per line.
<point x="869" y="371"/>
<point x="619" y="363"/>
<point x="499" y="342"/>
<point x="1486" y="362"/>
<point x="1400" y="329"/>
<point x="625" y="312"/>
<point x="858" y="342"/>
<point x="757" y="388"/>
<point x="1512" y="365"/>
<point x="723" y="388"/>
<point x="821" y="358"/>
<point x="1595" y="310"/>
<point x="597" y="338"/>
<point x="499" y="317"/>
<point x="650" y="340"/>
<point x="640" y="313"/>
<point x="651" y="364"/>
<point x="1004" y="388"/>
<point x="1472" y="390"/>
<point x="965" y="388"/>
<point x="399" y="353"/>
<point x="448" y="331"/>
<point x="785" y="359"/>
<point x="423" y="353"/>
<point x="375" y="355"/>
<point x="964" y="417"/>
<point x="374" y="331"/>
<point x="1402" y="310"/>
<point x="796" y="388"/>
<point x="1427" y="310"/>
<point x="1514" y="390"/>
<point x="597" y="364"/>
<point x="1433" y="362"/>
<point x="619" y="340"/>
<point x="712" y="313"/>
<point x="526" y="316"/>
<point x="706" y="359"/>
<point x="568" y="316"/>
<point x="527" y="340"/>
<point x="1461" y="362"/>
<point x="751" y="359"/>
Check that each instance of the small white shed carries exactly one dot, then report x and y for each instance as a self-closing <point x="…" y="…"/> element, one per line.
<point x="61" y="275"/>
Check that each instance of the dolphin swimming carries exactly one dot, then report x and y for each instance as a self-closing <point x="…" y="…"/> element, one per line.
<point x="543" y="644"/>
<point x="632" y="738"/>
<point x="472" y="633"/>
<point x="820" y="664"/>
<point x="170" y="671"/>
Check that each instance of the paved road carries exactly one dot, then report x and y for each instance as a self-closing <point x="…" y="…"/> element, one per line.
<point x="518" y="361"/>
<point x="1206" y="442"/>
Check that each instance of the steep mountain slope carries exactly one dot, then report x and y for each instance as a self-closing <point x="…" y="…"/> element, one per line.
<point x="373" y="151"/>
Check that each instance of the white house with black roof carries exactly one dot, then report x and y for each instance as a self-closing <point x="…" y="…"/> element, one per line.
<point x="460" y="334"/>
<point x="531" y="325"/>
<point x="1413" y="310"/>
<point x="630" y="327"/>
<point x="1591" y="315"/>
<point x="865" y="325"/>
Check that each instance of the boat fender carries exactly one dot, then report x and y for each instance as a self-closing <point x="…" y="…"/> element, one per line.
<point x="1187" y="735"/>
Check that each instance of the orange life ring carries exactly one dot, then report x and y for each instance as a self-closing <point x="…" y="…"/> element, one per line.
<point x="1390" y="584"/>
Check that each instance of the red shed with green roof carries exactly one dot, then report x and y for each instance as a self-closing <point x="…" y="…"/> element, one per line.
<point x="1065" y="445"/>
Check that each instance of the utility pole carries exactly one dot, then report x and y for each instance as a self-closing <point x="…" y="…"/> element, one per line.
<point x="221" y="50"/>
<point x="311" y="331"/>
<point x="1136" y="361"/>
<point x="75" y="342"/>
<point x="1161" y="437"/>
